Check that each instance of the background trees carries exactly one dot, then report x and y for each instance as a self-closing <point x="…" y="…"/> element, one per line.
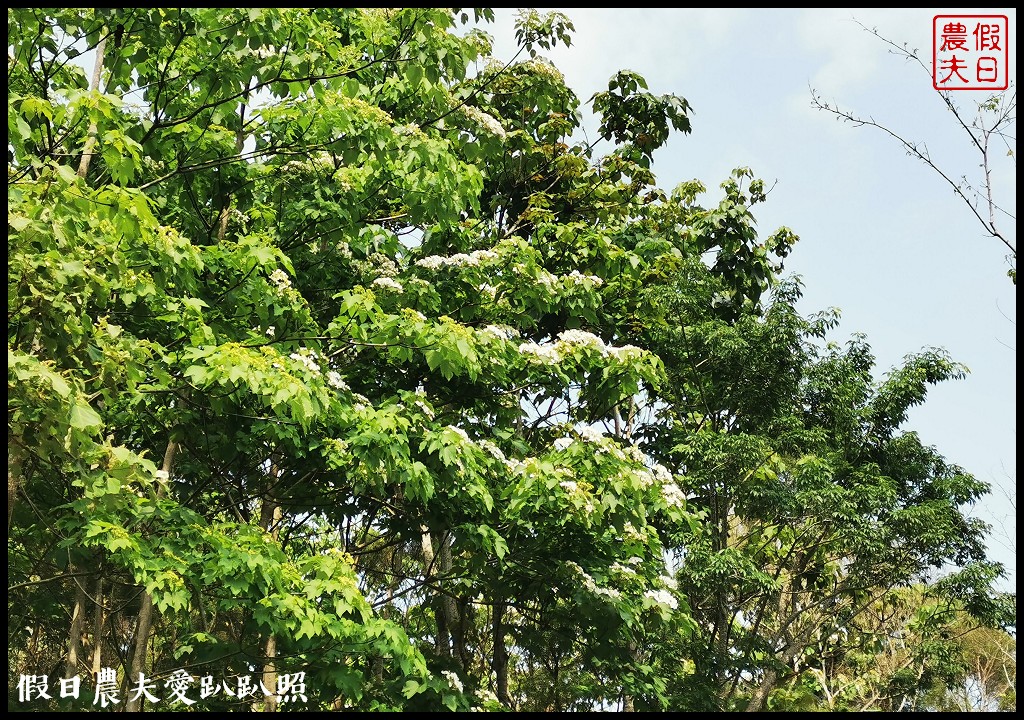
<point x="330" y="351"/>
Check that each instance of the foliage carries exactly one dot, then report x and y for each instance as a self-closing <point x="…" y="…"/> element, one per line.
<point x="331" y="351"/>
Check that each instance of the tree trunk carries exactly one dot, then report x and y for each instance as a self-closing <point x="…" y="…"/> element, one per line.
<point x="441" y="644"/>
<point x="97" y="633"/>
<point x="90" y="140"/>
<point x="273" y="524"/>
<point x="145" y="622"/>
<point x="75" y="633"/>
<point x="500" y="661"/>
<point x="450" y="608"/>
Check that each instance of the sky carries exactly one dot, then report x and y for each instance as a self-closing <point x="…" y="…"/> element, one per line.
<point x="883" y="238"/>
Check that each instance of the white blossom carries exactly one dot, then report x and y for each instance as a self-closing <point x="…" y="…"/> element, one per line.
<point x="581" y="337"/>
<point x="545" y="354"/>
<point x="493" y="449"/>
<point x="271" y="330"/>
<point x="500" y="331"/>
<point x="473" y="259"/>
<point x="668" y="581"/>
<point x="547" y="279"/>
<point x="410" y="129"/>
<point x="452" y="679"/>
<point x="591" y="434"/>
<point x="569" y="486"/>
<point x="577" y="277"/>
<point x="631" y="533"/>
<point x="562" y="443"/>
<point x="388" y="283"/>
<point x="335" y="380"/>
<point x="425" y="409"/>
<point x="673" y="496"/>
<point x="307" y="361"/>
<point x="458" y="431"/>
<point x="625" y="353"/>
<point x="662" y="597"/>
<point x="662" y="474"/>
<point x="484" y="120"/>
<point x="644" y="478"/>
<point x="619" y="567"/>
<point x="280" y="278"/>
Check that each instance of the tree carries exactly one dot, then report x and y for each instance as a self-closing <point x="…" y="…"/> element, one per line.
<point x="991" y="129"/>
<point x="336" y="364"/>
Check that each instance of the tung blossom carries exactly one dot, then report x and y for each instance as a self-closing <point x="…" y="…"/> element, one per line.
<point x="388" y="284"/>
<point x="452" y="679"/>
<point x="662" y="597"/>
<point x="672" y="495"/>
<point x="280" y="279"/>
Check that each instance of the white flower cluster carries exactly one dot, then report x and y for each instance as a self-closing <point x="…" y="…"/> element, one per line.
<point x="644" y="478"/>
<point x="493" y="449"/>
<point x="631" y="533"/>
<point x="673" y="496"/>
<point x="543" y="68"/>
<point x="662" y="597"/>
<point x="489" y="290"/>
<point x="388" y="283"/>
<point x="543" y="354"/>
<point x="270" y="331"/>
<point x="589" y="584"/>
<point x="410" y="129"/>
<point x="546" y="279"/>
<point x="668" y="581"/>
<point x="577" y="277"/>
<point x="280" y="279"/>
<point x="662" y="474"/>
<point x="624" y="353"/>
<point x="425" y="409"/>
<point x="306" y="358"/>
<point x="458" y="431"/>
<point x="500" y="331"/>
<point x="590" y="434"/>
<point x="582" y="337"/>
<point x="484" y="120"/>
<point x="624" y="569"/>
<point x="335" y="380"/>
<point x="569" y="486"/>
<point x="473" y="259"/>
<point x="452" y="679"/>
<point x="562" y="443"/>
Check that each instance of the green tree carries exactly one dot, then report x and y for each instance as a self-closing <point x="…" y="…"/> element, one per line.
<point x="331" y="352"/>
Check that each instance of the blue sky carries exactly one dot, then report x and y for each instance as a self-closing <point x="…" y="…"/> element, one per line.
<point x="883" y="238"/>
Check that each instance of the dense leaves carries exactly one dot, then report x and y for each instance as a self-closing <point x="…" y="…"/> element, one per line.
<point x="333" y="351"/>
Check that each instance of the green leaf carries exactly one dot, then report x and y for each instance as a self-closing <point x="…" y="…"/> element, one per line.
<point x="83" y="417"/>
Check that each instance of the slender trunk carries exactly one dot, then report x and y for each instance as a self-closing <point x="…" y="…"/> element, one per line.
<point x="90" y="140"/>
<point x="270" y="651"/>
<point x="449" y="606"/>
<point x="441" y="644"/>
<point x="225" y="211"/>
<point x="627" y="697"/>
<point x="500" y="655"/>
<point x="145" y="621"/>
<point x="97" y="634"/>
<point x="75" y="653"/>
<point x="270" y="519"/>
<point x="13" y="483"/>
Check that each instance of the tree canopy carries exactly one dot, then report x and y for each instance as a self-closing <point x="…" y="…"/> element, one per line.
<point x="343" y="375"/>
